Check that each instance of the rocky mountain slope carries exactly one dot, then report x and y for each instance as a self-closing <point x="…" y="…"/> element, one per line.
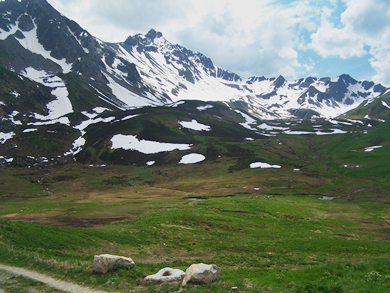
<point x="39" y="43"/>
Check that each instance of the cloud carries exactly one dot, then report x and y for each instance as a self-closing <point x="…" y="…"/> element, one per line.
<point x="364" y="29"/>
<point x="251" y="37"/>
<point x="330" y="41"/>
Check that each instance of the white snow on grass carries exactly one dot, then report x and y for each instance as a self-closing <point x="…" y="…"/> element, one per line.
<point x="385" y="104"/>
<point x="194" y="125"/>
<point x="326" y="198"/>
<point x="129" y="117"/>
<point x="337" y="122"/>
<point x="204" y="108"/>
<point x="30" y="130"/>
<point x="80" y="142"/>
<point x="31" y="43"/>
<point x="6" y="136"/>
<point x="333" y="131"/>
<point x="129" y="98"/>
<point x="96" y="111"/>
<point x="11" y="31"/>
<point x="131" y="142"/>
<point x="372" y="148"/>
<point x="15" y="94"/>
<point x="83" y="125"/>
<point x="150" y="163"/>
<point x="100" y="110"/>
<point x="174" y="105"/>
<point x="296" y="132"/>
<point x="12" y="116"/>
<point x="358" y="121"/>
<point x="60" y="106"/>
<point x="265" y="126"/>
<point x="248" y="120"/>
<point x="62" y="120"/>
<point x="249" y="139"/>
<point x="77" y="146"/>
<point x="7" y="160"/>
<point x="264" y="166"/>
<point x="192" y="159"/>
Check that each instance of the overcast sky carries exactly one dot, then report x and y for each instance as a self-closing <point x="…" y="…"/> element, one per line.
<point x="295" y="38"/>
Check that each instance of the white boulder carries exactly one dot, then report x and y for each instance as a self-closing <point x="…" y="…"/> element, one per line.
<point x="166" y="275"/>
<point x="201" y="274"/>
<point x="107" y="262"/>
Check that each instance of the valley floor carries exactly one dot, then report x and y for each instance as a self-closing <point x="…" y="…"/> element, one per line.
<point x="263" y="239"/>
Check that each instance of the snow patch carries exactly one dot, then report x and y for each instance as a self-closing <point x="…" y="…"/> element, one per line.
<point x="6" y="136"/>
<point x="372" y="148"/>
<point x="192" y="159"/>
<point x="326" y="198"/>
<point x="204" y="108"/>
<point x="62" y="120"/>
<point x="150" y="163"/>
<point x="131" y="142"/>
<point x="194" y="125"/>
<point x="176" y="104"/>
<point x="83" y="125"/>
<point x="248" y="120"/>
<point x="121" y="93"/>
<point x="77" y="146"/>
<point x="15" y="94"/>
<point x="385" y="104"/>
<point x="31" y="43"/>
<point x="30" y="130"/>
<point x="129" y="117"/>
<point x="60" y="106"/>
<point x="264" y="166"/>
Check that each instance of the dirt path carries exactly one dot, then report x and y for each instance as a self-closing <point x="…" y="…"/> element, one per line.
<point x="49" y="281"/>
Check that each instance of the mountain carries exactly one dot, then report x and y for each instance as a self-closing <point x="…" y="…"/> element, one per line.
<point x="65" y="94"/>
<point x="374" y="109"/>
<point x="39" y="43"/>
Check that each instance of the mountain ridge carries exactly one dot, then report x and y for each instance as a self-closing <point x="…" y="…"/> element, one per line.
<point x="149" y="70"/>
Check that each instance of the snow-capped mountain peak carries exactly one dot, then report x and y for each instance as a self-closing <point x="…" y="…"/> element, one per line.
<point x="147" y="69"/>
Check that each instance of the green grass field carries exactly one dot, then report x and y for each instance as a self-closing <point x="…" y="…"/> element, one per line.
<point x="266" y="229"/>
<point x="283" y="243"/>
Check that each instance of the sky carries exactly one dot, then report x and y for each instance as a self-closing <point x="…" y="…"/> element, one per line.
<point x="293" y="38"/>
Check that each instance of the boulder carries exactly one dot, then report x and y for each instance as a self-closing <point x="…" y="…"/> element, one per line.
<point x="201" y="274"/>
<point x="107" y="262"/>
<point x="166" y="275"/>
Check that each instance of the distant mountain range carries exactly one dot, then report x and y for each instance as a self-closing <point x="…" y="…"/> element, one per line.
<point x="37" y="42"/>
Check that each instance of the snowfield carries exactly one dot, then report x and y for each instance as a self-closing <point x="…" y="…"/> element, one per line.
<point x="194" y="125"/>
<point x="131" y="142"/>
<point x="6" y="136"/>
<point x="58" y="107"/>
<point x="372" y="148"/>
<point x="262" y="165"/>
<point x="30" y="42"/>
<point x="204" y="108"/>
<point x="192" y="159"/>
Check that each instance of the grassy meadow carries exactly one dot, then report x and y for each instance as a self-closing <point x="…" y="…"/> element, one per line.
<point x="267" y="229"/>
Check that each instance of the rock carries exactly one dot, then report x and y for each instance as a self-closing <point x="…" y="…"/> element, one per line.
<point x="201" y="274"/>
<point x="106" y="262"/>
<point x="166" y="275"/>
